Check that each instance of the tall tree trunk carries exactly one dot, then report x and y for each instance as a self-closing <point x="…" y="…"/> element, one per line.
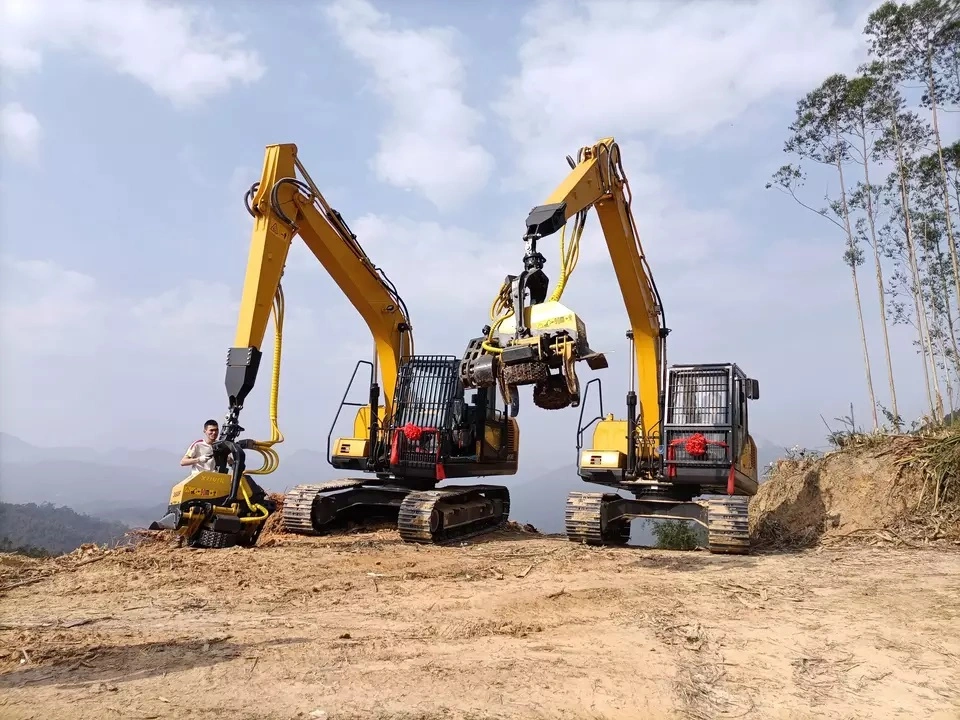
<point x="934" y="317"/>
<point x="876" y="260"/>
<point x="931" y="86"/>
<point x="944" y="288"/>
<point x="911" y="257"/>
<point x="853" y="273"/>
<point x="951" y="327"/>
<point x="946" y="379"/>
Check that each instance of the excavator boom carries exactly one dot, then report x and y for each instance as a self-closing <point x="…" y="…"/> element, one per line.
<point x="283" y="206"/>
<point x="598" y="181"/>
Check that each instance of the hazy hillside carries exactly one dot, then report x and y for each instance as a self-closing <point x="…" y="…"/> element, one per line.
<point x="127" y="486"/>
<point x="132" y="486"/>
<point x="55" y="529"/>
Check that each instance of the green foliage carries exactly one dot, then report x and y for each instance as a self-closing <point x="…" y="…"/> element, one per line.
<point x="7" y="545"/>
<point x="45" y="529"/>
<point x="675" y="535"/>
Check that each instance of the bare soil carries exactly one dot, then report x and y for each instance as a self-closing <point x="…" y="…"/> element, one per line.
<point x="509" y="626"/>
<point x="876" y="492"/>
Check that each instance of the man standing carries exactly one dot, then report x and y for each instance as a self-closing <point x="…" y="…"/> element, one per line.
<point x="199" y="456"/>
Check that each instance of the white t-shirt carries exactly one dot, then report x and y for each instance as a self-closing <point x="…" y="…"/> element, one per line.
<point x="202" y="449"/>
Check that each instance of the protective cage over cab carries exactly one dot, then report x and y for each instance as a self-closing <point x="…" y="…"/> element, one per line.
<point x="706" y="440"/>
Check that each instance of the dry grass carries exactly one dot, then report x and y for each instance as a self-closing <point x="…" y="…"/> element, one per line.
<point x="937" y="459"/>
<point x="877" y="489"/>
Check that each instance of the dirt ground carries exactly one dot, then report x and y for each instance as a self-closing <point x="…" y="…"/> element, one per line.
<point x="508" y="626"/>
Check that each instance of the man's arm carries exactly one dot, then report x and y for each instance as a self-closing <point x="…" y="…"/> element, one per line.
<point x="190" y="457"/>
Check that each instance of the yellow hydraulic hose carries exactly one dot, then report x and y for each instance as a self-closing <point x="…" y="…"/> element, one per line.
<point x="568" y="256"/>
<point x="253" y="506"/>
<point x="500" y="310"/>
<point x="265" y="447"/>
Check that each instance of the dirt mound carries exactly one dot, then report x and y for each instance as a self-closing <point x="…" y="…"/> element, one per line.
<point x="523" y="528"/>
<point x="903" y="489"/>
<point x="274" y="524"/>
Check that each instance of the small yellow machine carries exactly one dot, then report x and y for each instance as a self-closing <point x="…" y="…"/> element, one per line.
<point x="687" y="437"/>
<point x="416" y="430"/>
<point x="218" y="509"/>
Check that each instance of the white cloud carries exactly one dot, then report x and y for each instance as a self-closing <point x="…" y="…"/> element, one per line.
<point x="437" y="269"/>
<point x="441" y="264"/>
<point x="46" y="309"/>
<point x="174" y="50"/>
<point x="80" y="361"/>
<point x="43" y="306"/>
<point x="669" y="69"/>
<point x="19" y="132"/>
<point x="428" y="145"/>
<point x="653" y="71"/>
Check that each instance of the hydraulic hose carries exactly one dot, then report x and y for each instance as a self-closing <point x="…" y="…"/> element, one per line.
<point x="569" y="256"/>
<point x="265" y="447"/>
<point x="253" y="506"/>
<point x="500" y="310"/>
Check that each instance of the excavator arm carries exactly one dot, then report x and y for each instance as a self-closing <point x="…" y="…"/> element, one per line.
<point x="520" y="352"/>
<point x="284" y="206"/>
<point x="597" y="180"/>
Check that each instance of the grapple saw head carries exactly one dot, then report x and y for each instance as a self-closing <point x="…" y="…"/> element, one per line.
<point x="543" y="347"/>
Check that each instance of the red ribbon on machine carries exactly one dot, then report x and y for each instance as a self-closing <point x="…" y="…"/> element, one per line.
<point x="415" y="433"/>
<point x="696" y="446"/>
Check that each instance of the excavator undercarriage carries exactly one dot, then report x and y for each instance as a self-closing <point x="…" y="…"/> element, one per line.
<point x="432" y="435"/>
<point x="423" y="516"/>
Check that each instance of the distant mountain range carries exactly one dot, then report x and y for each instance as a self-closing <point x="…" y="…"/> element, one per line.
<point x="35" y="529"/>
<point x="132" y="486"/>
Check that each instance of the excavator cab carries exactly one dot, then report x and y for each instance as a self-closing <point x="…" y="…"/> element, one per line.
<point x="434" y="433"/>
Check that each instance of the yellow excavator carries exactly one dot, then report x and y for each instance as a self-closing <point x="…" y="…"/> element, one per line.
<point x="687" y="437"/>
<point x="423" y="432"/>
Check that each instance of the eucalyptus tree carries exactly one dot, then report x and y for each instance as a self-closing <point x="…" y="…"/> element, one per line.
<point x="865" y="120"/>
<point x="935" y="270"/>
<point x="905" y="138"/>
<point x="921" y="40"/>
<point x="819" y="133"/>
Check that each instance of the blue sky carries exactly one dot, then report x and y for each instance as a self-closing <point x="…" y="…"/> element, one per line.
<point x="132" y="130"/>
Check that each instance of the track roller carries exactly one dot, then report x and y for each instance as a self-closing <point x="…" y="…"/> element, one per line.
<point x="584" y="522"/>
<point x="211" y="539"/>
<point x="303" y="506"/>
<point x="728" y="528"/>
<point x="453" y="513"/>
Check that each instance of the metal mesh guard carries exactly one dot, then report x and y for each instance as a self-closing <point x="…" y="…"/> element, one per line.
<point x="427" y="383"/>
<point x="699" y="397"/>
